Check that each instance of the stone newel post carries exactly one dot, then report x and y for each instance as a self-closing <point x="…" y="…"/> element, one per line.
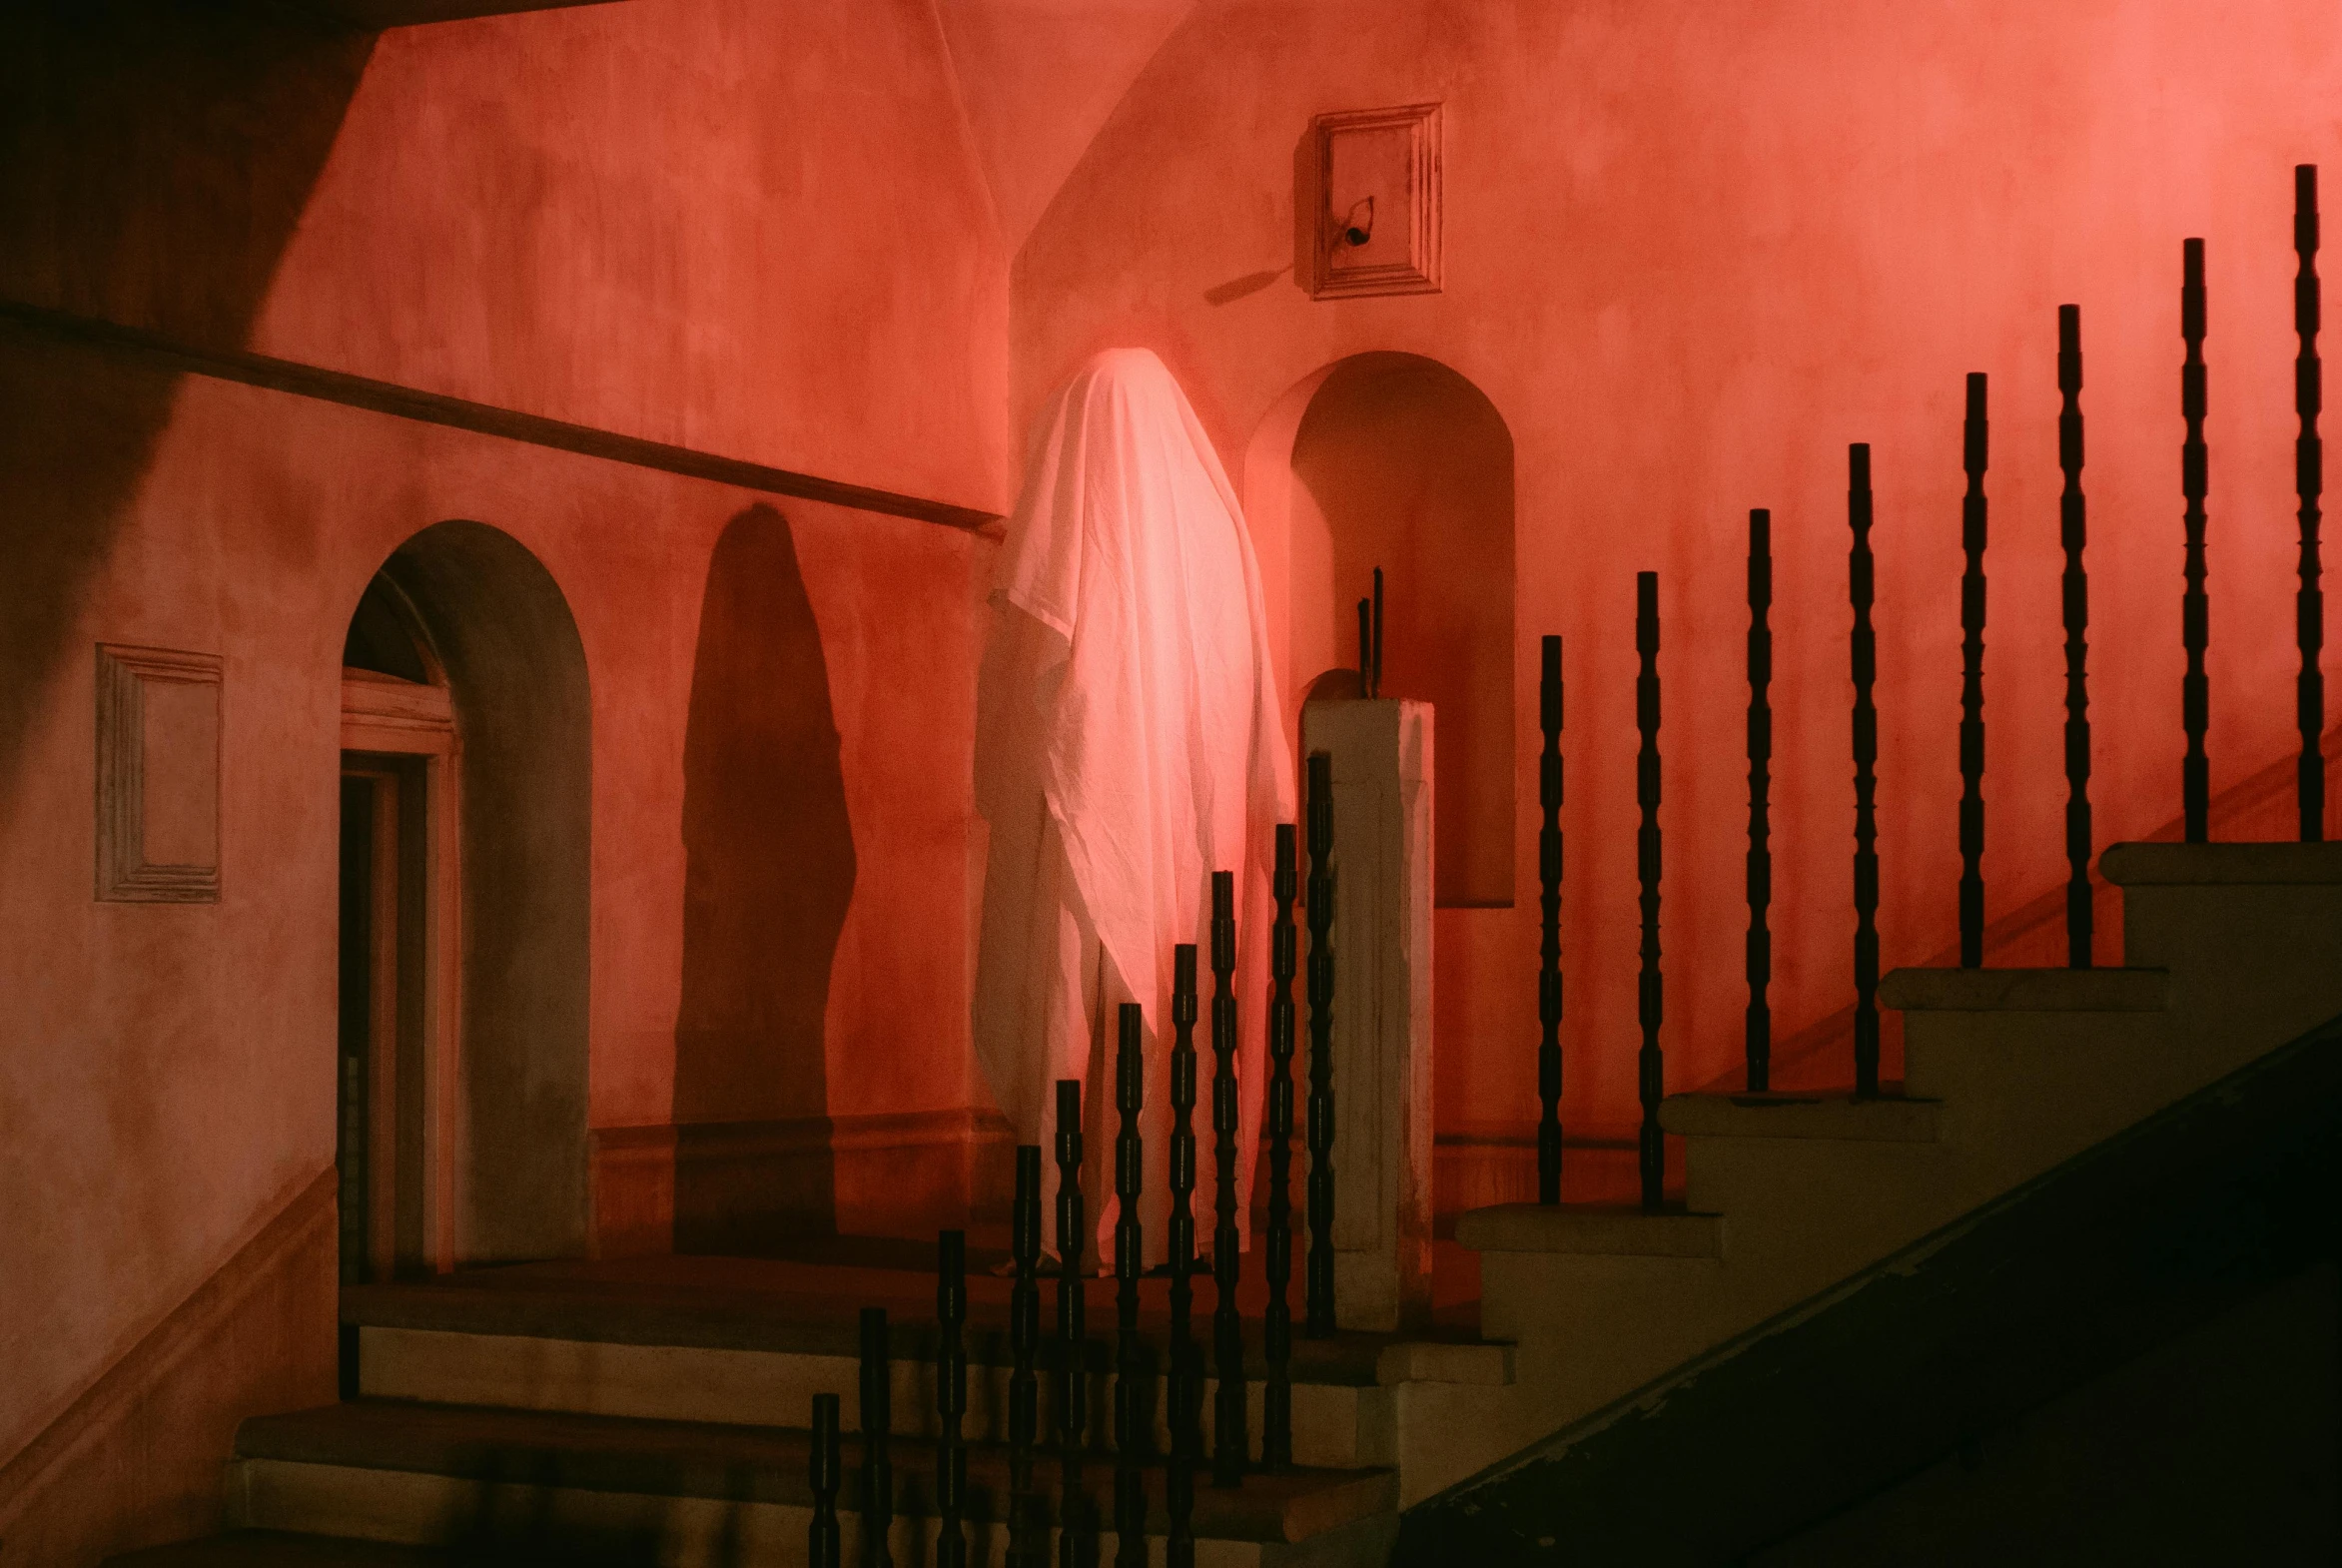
<point x="1381" y="752"/>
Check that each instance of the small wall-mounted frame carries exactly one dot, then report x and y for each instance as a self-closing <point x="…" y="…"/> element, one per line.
<point x="1377" y="202"/>
<point x="157" y="776"/>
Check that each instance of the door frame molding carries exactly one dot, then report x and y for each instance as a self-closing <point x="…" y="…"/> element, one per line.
<point x="392" y="728"/>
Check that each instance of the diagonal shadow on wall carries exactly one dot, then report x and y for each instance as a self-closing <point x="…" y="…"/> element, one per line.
<point x="154" y="159"/>
<point x="769" y="873"/>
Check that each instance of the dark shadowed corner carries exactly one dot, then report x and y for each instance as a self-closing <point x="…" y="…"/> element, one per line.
<point x="154" y="159"/>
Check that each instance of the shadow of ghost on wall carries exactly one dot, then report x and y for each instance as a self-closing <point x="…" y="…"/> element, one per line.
<point x="769" y="874"/>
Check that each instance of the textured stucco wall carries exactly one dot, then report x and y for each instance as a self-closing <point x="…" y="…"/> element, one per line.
<point x="752" y="229"/>
<point x="1692" y="251"/>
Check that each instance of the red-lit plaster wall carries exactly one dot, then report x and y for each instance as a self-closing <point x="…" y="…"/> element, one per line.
<point x="1692" y="250"/>
<point x="752" y="229"/>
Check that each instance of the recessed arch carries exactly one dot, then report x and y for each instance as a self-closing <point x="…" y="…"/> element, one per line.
<point x="388" y="637"/>
<point x="488" y="619"/>
<point x="1395" y="460"/>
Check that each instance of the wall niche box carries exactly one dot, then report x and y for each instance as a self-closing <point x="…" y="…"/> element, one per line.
<point x="1377" y="173"/>
<point x="158" y="800"/>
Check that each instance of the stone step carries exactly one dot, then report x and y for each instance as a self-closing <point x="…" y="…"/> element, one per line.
<point x="755" y="1360"/>
<point x="549" y="1301"/>
<point x="2252" y="935"/>
<point x="2233" y="950"/>
<point x="276" y="1549"/>
<point x="1335" y="1424"/>
<point x="1887" y="1117"/>
<point x="2270" y="865"/>
<point x="563" y="1487"/>
<point x="2026" y="990"/>
<point x="2036" y="1065"/>
<point x="1598" y="1230"/>
<point x="1979" y="1038"/>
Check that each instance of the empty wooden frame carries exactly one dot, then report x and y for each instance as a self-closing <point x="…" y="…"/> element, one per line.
<point x="157" y="776"/>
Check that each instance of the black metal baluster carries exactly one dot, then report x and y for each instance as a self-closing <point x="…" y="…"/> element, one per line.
<point x="951" y="1397"/>
<point x="1973" y="434"/>
<point x="1228" y="1323"/>
<point x="2195" y="700"/>
<point x="2073" y="533"/>
<point x="823" y="1543"/>
<point x="1277" y="1330"/>
<point x="2309" y="484"/>
<point x="1077" y="1531"/>
<point x="1318" y="1282"/>
<point x="1651" y="1066"/>
<point x="1759" y="1034"/>
<point x="1026" y="1545"/>
<point x="1549" y="932"/>
<point x="1184" y="1379"/>
<point x="1131" y="1374"/>
<point x="1377" y="685"/>
<point x="1864" y="648"/>
<point x="878" y="1465"/>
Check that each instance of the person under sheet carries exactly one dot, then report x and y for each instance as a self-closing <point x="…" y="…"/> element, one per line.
<point x="1127" y="746"/>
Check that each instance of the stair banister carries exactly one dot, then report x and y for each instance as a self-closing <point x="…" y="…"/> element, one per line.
<point x="2195" y="703"/>
<point x="1277" y="1330"/>
<point x="1758" y="1033"/>
<point x="2308" y="484"/>
<point x="1027" y="1540"/>
<point x="951" y="1398"/>
<point x="1650" y="1064"/>
<point x="1863" y="652"/>
<point x="1319" y="1288"/>
<point x="1131" y="1372"/>
<point x="2073" y="533"/>
<point x="1974" y="450"/>
<point x="1185" y="1384"/>
<point x="1077" y="1531"/>
<point x="1227" y="1324"/>
<point x="877" y="1421"/>
<point x="1549" y="927"/>
<point x="824" y="1462"/>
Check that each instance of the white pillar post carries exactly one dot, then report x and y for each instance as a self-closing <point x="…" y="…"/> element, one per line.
<point x="1383" y="795"/>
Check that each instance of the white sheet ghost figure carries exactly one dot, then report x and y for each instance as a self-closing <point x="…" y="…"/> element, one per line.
<point x="1127" y="745"/>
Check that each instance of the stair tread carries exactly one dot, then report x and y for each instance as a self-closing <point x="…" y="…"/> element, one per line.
<point x="2234" y="865"/>
<point x="2027" y="990"/>
<point x="280" y="1549"/>
<point x="759" y="1304"/>
<point x="765" y="1464"/>
<point x="1884" y="1119"/>
<point x="1609" y="1229"/>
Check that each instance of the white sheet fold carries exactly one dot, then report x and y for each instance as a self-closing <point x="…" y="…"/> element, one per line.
<point x="1127" y="745"/>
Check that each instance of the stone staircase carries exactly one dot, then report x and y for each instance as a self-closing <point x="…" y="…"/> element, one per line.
<point x="651" y="1411"/>
<point x="2231" y="951"/>
<point x="623" y="1490"/>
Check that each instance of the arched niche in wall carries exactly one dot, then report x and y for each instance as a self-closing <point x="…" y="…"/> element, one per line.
<point x="496" y="624"/>
<point x="1395" y="460"/>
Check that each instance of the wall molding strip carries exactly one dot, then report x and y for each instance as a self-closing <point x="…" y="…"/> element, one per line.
<point x="408" y="403"/>
<point x="182" y="1331"/>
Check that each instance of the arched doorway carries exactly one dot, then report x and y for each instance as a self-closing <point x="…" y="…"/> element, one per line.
<point x="399" y="958"/>
<point x="466" y="800"/>
<point x="1395" y="460"/>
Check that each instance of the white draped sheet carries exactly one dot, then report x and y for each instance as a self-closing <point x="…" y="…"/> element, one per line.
<point x="1129" y="744"/>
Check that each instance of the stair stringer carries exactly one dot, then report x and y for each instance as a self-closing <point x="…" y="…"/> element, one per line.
<point x="2152" y="1236"/>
